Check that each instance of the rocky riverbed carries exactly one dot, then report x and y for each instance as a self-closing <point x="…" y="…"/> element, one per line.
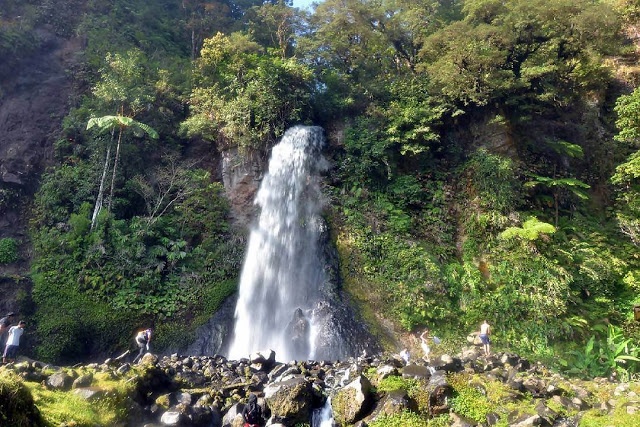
<point x="465" y="390"/>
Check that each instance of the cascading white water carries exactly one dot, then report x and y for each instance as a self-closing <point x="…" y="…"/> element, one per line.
<point x="323" y="417"/>
<point x="282" y="271"/>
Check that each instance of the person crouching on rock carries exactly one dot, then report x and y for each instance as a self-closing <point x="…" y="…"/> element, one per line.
<point x="13" y="341"/>
<point x="142" y="340"/>
<point x="252" y="413"/>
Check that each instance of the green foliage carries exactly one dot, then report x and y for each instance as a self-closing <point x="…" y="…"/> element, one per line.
<point x="628" y="122"/>
<point x="244" y="98"/>
<point x="8" y="250"/>
<point x="111" y="122"/>
<point x="16" y="403"/>
<point x="403" y="419"/>
<point x="571" y="184"/>
<point x="600" y="358"/>
<point x="530" y="230"/>
<point x="627" y="181"/>
<point x="85" y="280"/>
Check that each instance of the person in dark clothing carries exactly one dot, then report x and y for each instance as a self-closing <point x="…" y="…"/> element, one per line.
<point x="142" y="340"/>
<point x="252" y="413"/>
<point x="5" y="323"/>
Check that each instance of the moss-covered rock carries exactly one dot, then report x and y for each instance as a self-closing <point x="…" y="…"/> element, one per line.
<point x="290" y="400"/>
<point x="16" y="403"/>
<point x="352" y="402"/>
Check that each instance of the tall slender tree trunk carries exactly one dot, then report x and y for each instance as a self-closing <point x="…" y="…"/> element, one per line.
<point x="115" y="168"/>
<point x="98" y="206"/>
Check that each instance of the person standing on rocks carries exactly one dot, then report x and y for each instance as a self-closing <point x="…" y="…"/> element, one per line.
<point x="424" y="337"/>
<point x="252" y="413"/>
<point x="142" y="340"/>
<point x="485" y="330"/>
<point x="13" y="341"/>
<point x="5" y="323"/>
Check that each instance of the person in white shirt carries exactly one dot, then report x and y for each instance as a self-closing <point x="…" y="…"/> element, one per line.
<point x="485" y="330"/>
<point x="424" y="337"/>
<point x="13" y="341"/>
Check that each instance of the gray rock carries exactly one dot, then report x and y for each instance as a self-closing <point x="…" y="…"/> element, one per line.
<point x="447" y="363"/>
<point x="492" y="418"/>
<point x="352" y="402"/>
<point x="149" y="359"/>
<point x="461" y="421"/>
<point x="528" y="420"/>
<point x="290" y="401"/>
<point x="183" y="397"/>
<point x="212" y="337"/>
<point x="90" y="393"/>
<point x="59" y="381"/>
<point x="416" y="371"/>
<point x="393" y="403"/>
<point x="235" y="412"/>
<point x="84" y="380"/>
<point x="173" y="418"/>
<point x="386" y="371"/>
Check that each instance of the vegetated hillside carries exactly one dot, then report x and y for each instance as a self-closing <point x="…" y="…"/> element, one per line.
<point x="483" y="165"/>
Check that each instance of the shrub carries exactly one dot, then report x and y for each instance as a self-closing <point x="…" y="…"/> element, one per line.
<point x="8" y="250"/>
<point x="16" y="403"/>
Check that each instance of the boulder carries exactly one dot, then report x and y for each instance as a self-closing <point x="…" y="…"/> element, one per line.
<point x="393" y="403"/>
<point x="535" y="386"/>
<point x="90" y="393"/>
<point x="461" y="421"/>
<point x="474" y="338"/>
<point x="298" y="331"/>
<point x="174" y="418"/>
<point x="264" y="357"/>
<point x="352" y="402"/>
<point x="290" y="401"/>
<point x="233" y="415"/>
<point x="149" y="359"/>
<point x="183" y="397"/>
<point x="416" y="372"/>
<point x="59" y="381"/>
<point x="447" y="363"/>
<point x="440" y="393"/>
<point x="527" y="420"/>
<point x="84" y="380"/>
<point x="385" y="371"/>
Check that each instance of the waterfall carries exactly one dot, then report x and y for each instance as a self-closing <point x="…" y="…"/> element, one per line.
<point x="323" y="417"/>
<point x="282" y="271"/>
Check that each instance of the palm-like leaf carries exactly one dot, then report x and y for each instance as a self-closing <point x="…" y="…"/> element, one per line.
<point x="530" y="230"/>
<point x="110" y="122"/>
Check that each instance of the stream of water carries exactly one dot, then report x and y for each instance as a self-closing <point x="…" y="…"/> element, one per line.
<point x="282" y="271"/>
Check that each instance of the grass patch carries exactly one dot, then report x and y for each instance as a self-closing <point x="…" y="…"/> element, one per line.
<point x="16" y="403"/>
<point x="58" y="407"/>
<point x="403" y="419"/>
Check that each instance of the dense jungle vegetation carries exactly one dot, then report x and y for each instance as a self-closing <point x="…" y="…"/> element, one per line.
<point x="485" y="165"/>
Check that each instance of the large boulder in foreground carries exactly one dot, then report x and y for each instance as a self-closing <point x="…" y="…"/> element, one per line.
<point x="352" y="402"/>
<point x="290" y="401"/>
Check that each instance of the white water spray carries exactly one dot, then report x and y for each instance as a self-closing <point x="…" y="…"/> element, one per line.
<point x="323" y="417"/>
<point x="282" y="271"/>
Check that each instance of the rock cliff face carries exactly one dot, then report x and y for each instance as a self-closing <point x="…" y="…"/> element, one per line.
<point x="34" y="101"/>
